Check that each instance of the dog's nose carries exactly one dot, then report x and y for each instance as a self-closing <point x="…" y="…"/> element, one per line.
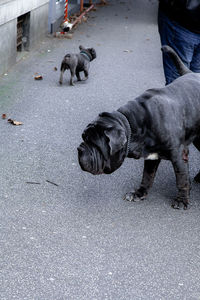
<point x="79" y="150"/>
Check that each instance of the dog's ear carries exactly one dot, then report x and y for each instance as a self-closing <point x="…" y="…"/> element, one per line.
<point x="81" y="47"/>
<point x="117" y="139"/>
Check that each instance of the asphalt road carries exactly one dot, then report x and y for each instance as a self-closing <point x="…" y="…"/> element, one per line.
<point x="78" y="240"/>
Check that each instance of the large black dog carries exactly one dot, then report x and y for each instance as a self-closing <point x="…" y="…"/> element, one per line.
<point x="159" y="124"/>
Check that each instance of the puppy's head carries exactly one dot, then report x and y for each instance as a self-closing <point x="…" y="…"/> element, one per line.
<point x="91" y="51"/>
<point x="103" y="149"/>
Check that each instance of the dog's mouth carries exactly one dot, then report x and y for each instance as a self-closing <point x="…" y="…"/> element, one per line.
<point x="90" y="159"/>
<point x="136" y="155"/>
<point x="108" y="170"/>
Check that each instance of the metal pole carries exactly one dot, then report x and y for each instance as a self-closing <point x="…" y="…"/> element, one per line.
<point x="83" y="13"/>
<point x="81" y="6"/>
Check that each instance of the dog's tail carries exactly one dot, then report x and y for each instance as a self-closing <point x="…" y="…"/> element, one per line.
<point x="64" y="64"/>
<point x="181" y="68"/>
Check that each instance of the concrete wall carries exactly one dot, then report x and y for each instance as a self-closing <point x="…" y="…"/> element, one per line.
<point x="38" y="24"/>
<point x="10" y="10"/>
<point x="8" y="41"/>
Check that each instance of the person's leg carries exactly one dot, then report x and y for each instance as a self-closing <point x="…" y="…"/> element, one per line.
<point x="180" y="39"/>
<point x="195" y="63"/>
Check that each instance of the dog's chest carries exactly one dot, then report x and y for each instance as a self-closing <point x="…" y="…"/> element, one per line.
<point x="152" y="156"/>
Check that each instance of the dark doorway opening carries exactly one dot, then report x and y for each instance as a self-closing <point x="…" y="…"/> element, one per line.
<point x="23" y="28"/>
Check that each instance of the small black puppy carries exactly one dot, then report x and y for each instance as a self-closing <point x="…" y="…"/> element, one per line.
<point x="77" y="63"/>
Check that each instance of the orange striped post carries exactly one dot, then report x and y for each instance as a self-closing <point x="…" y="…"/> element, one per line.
<point x="66" y="11"/>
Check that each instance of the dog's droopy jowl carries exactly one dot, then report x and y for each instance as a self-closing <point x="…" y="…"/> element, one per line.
<point x="77" y="63"/>
<point x="159" y="124"/>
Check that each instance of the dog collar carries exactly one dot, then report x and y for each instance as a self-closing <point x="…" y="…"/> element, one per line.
<point x="129" y="131"/>
<point x="86" y="54"/>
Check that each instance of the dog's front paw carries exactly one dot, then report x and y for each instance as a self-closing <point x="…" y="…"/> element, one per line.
<point x="134" y="197"/>
<point x="177" y="204"/>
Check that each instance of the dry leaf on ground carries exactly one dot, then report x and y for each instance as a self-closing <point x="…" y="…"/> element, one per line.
<point x="14" y="122"/>
<point x="38" y="77"/>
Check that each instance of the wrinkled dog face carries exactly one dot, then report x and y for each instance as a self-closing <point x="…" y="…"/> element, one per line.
<point x="92" y="52"/>
<point x="104" y="146"/>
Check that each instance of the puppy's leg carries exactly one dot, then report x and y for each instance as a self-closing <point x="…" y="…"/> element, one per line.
<point x="180" y="165"/>
<point x="86" y="73"/>
<point x="78" y="75"/>
<point x="72" y="76"/>
<point x="61" y="76"/>
<point x="149" y="172"/>
<point x="197" y="145"/>
<point x="63" y="67"/>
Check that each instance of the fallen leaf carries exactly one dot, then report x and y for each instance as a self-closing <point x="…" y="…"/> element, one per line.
<point x="38" y="77"/>
<point x="14" y="122"/>
<point x="3" y="116"/>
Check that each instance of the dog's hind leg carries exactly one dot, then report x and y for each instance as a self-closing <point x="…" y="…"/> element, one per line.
<point x="62" y="70"/>
<point x="72" y="76"/>
<point x="86" y="74"/>
<point x="180" y="166"/>
<point x="78" y="75"/>
<point x="149" y="172"/>
<point x="197" y="145"/>
<point x="61" y="76"/>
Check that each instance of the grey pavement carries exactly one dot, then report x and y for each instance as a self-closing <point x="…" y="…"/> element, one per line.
<point x="79" y="240"/>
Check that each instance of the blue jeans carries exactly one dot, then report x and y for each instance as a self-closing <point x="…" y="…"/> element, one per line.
<point x="183" y="41"/>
